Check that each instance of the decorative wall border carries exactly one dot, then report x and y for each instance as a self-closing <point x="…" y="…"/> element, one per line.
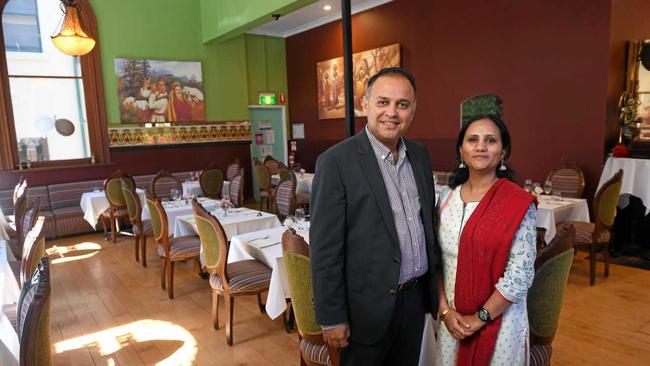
<point x="179" y="134"/>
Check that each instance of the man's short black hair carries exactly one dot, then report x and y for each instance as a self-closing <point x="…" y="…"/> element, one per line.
<point x="391" y="71"/>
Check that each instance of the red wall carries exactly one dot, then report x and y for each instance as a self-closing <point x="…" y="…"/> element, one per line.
<point x="547" y="60"/>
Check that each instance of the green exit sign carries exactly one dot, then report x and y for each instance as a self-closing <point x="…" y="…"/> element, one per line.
<point x="268" y="99"/>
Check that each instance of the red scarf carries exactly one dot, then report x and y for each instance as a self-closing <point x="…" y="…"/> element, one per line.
<point x="483" y="252"/>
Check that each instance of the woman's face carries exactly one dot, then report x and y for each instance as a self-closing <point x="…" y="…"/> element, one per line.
<point x="482" y="149"/>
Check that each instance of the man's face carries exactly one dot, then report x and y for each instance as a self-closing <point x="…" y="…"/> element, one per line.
<point x="161" y="86"/>
<point x="390" y="108"/>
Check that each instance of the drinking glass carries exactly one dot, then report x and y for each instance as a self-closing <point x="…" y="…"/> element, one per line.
<point x="548" y="187"/>
<point x="537" y="189"/>
<point x="557" y="196"/>
<point x="300" y="217"/>
<point x="528" y="185"/>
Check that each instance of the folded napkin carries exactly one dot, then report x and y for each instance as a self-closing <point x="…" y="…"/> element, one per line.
<point x="264" y="243"/>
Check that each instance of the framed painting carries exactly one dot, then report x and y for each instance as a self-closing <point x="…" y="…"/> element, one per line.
<point x="329" y="74"/>
<point x="153" y="91"/>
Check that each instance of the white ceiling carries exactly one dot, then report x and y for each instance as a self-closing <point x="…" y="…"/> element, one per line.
<point x="312" y="16"/>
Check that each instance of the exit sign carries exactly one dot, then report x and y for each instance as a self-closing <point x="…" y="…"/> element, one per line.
<point x="268" y="98"/>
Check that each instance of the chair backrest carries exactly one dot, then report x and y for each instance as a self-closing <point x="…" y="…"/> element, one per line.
<point x="133" y="204"/>
<point x="283" y="171"/>
<point x="237" y="189"/>
<point x="19" y="188"/>
<point x="545" y="295"/>
<point x="442" y="178"/>
<point x="28" y="221"/>
<point x="33" y="317"/>
<point x="568" y="179"/>
<point x="211" y="181"/>
<point x="113" y="188"/>
<point x="33" y="249"/>
<point x="233" y="169"/>
<point x="213" y="242"/>
<point x="271" y="164"/>
<point x="262" y="175"/>
<point x="20" y="206"/>
<point x="159" y="223"/>
<point x="163" y="182"/>
<point x="605" y="204"/>
<point x="285" y="197"/>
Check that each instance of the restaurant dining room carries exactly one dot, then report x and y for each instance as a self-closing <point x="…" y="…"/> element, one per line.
<point x="324" y="182"/>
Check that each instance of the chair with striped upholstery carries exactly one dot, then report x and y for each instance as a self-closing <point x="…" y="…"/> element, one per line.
<point x="115" y="197"/>
<point x="544" y="298"/>
<point x="211" y="181"/>
<point x="236" y="193"/>
<point x="163" y="182"/>
<point x="19" y="188"/>
<point x="285" y="197"/>
<point x="591" y="236"/>
<point x="26" y="224"/>
<point x="33" y="251"/>
<point x="246" y="277"/>
<point x="171" y="249"/>
<point x="140" y="228"/>
<point x="442" y="177"/>
<point x="313" y="349"/>
<point x="271" y="164"/>
<point x="33" y="317"/>
<point x="263" y="176"/>
<point x="20" y="206"/>
<point x="568" y="179"/>
<point x="233" y="169"/>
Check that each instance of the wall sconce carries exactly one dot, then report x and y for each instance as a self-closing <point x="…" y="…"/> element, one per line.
<point x="71" y="39"/>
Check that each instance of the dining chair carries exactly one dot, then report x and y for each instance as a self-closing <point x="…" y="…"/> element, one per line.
<point x="283" y="172"/>
<point x="20" y="206"/>
<point x="237" y="189"/>
<point x="115" y="197"/>
<point x="172" y="249"/>
<point x="33" y="317"/>
<point x="567" y="179"/>
<point x="591" y="236"/>
<point x="163" y="182"/>
<point x="227" y="280"/>
<point x="284" y="202"/>
<point x="233" y="169"/>
<point x="544" y="298"/>
<point x="263" y="176"/>
<point x="211" y="181"/>
<point x="271" y="164"/>
<point x="33" y="250"/>
<point x="19" y="188"/>
<point x="27" y="222"/>
<point x="141" y="229"/>
<point x="313" y="349"/>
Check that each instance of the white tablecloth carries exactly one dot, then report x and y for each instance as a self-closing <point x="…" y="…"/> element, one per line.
<point x="265" y="246"/>
<point x="94" y="203"/>
<point x="636" y="179"/>
<point x="3" y="223"/>
<point x="551" y="212"/>
<point x="194" y="187"/>
<point x="9" y="292"/>
<point x="303" y="181"/>
<point x="176" y="209"/>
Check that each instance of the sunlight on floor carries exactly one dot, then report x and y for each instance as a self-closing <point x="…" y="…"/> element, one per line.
<point x="111" y="340"/>
<point x="66" y="254"/>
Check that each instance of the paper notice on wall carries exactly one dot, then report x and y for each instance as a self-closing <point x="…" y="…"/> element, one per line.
<point x="266" y="150"/>
<point x="265" y="125"/>
<point x="269" y="137"/>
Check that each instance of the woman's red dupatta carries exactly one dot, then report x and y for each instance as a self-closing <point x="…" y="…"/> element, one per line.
<point x="483" y="252"/>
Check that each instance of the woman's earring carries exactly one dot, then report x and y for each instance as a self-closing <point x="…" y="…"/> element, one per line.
<point x="462" y="164"/>
<point x="503" y="167"/>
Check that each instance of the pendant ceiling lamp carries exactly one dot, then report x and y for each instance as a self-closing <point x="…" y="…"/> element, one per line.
<point x="71" y="39"/>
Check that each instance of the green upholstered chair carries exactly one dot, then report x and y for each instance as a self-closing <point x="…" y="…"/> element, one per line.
<point x="140" y="228"/>
<point x="544" y="300"/>
<point x="33" y="317"/>
<point x="313" y="349"/>
<point x="236" y="194"/>
<point x="591" y="236"/>
<point x="568" y="179"/>
<point x="233" y="169"/>
<point x="163" y="182"/>
<point x="263" y="176"/>
<point x="211" y="181"/>
<point x="115" y="197"/>
<point x="171" y="249"/>
<point x="246" y="277"/>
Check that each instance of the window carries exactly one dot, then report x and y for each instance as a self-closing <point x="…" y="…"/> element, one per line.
<point x="54" y="102"/>
<point x="20" y="26"/>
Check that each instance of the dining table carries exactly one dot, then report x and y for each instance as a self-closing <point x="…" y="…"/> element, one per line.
<point x="303" y="181"/>
<point x="552" y="211"/>
<point x="636" y="175"/>
<point x="95" y="202"/>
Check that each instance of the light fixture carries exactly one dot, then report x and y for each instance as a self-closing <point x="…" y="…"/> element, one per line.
<point x="71" y="39"/>
<point x="327" y="7"/>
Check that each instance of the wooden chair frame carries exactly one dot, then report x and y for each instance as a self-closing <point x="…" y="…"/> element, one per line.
<point x="207" y="191"/>
<point x="266" y="188"/>
<point x="164" y="174"/>
<point x="30" y="351"/>
<point x="140" y="239"/>
<point x="115" y="206"/>
<point x="571" y="166"/>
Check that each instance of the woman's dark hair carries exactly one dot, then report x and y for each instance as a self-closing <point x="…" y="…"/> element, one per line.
<point x="461" y="175"/>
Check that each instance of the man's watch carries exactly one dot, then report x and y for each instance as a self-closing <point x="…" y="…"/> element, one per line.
<point x="484" y="315"/>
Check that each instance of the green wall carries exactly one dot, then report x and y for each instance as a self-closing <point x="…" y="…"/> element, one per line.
<point x="234" y="71"/>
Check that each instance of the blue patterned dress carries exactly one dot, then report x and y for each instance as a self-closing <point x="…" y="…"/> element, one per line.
<point x="512" y="341"/>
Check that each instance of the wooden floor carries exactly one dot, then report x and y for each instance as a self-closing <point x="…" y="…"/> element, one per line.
<point x="108" y="310"/>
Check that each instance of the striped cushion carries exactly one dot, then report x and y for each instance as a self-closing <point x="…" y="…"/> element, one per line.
<point x="232" y="171"/>
<point x="314" y="352"/>
<point x="69" y="194"/>
<point x="182" y="247"/>
<point x="246" y="275"/>
<point x="540" y="355"/>
<point x="566" y="181"/>
<point x="584" y="231"/>
<point x="283" y="197"/>
<point x="7" y="201"/>
<point x="143" y="181"/>
<point x="10" y="311"/>
<point x="120" y="212"/>
<point x="146" y="224"/>
<point x="235" y="185"/>
<point x="164" y="186"/>
<point x="69" y="224"/>
<point x="302" y="198"/>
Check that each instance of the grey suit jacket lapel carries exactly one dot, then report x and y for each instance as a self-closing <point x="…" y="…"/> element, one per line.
<point x="376" y="182"/>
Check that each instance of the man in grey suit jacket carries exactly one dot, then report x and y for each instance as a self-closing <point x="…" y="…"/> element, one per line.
<point x="372" y="235"/>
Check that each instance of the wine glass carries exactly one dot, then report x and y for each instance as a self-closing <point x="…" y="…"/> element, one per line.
<point x="528" y="185"/>
<point x="548" y="187"/>
<point x="300" y="217"/>
<point x="537" y="189"/>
